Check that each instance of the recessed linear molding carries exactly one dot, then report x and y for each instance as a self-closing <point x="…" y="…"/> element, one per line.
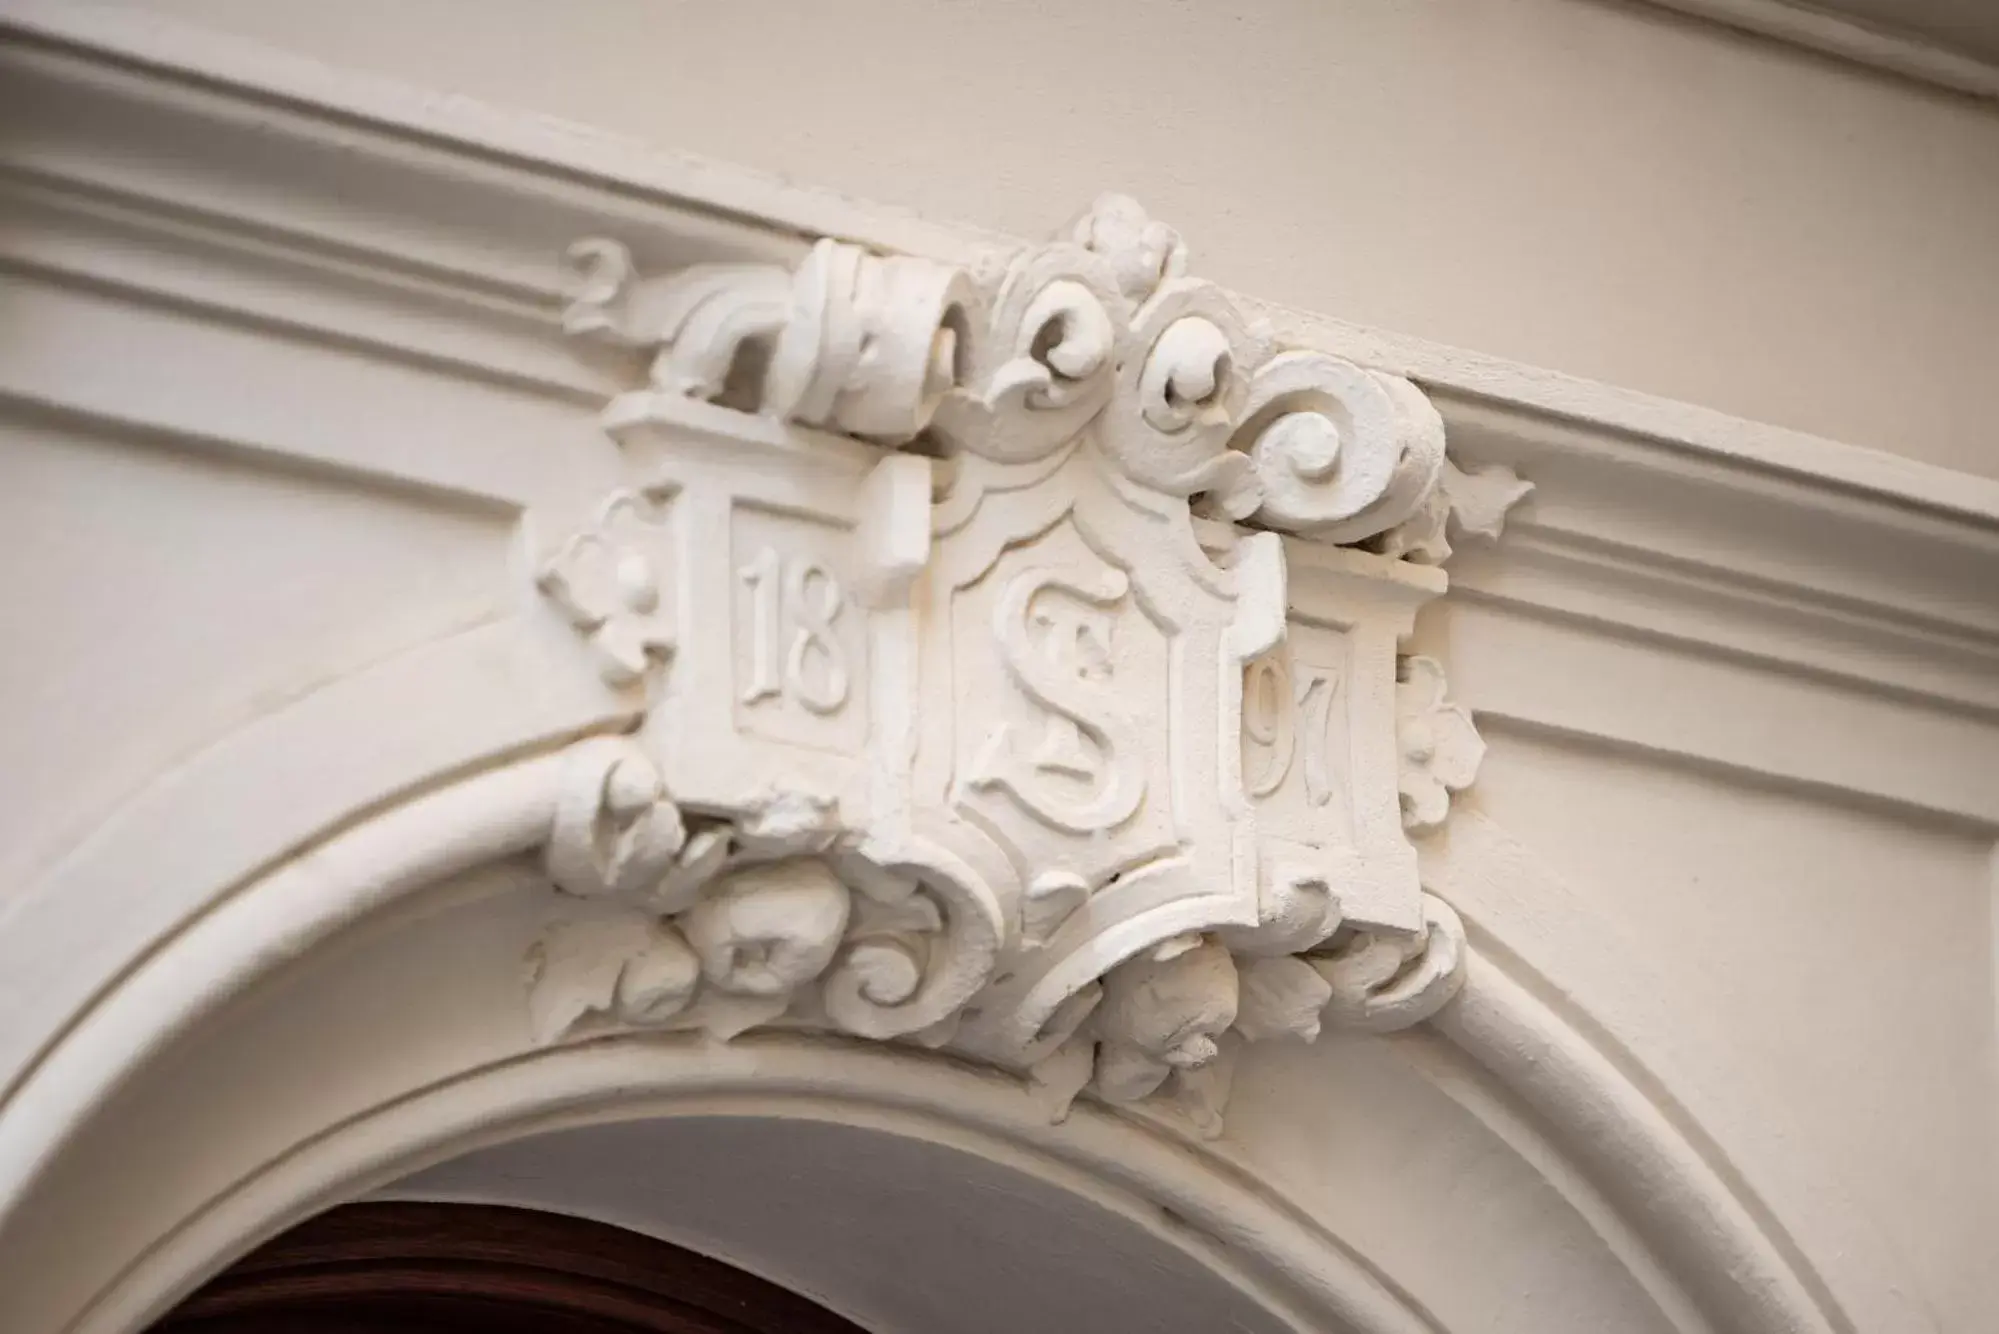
<point x="1772" y="552"/>
<point x="1876" y="568"/>
<point x="1903" y="51"/>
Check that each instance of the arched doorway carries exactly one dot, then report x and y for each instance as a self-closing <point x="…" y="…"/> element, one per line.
<point x="427" y="1268"/>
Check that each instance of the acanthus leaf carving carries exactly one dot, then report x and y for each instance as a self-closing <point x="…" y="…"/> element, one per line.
<point x="1006" y="744"/>
<point x="1474" y="502"/>
<point x="629" y="964"/>
<point x="1481" y="498"/>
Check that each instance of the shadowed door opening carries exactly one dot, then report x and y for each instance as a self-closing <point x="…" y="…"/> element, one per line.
<point x="413" y="1268"/>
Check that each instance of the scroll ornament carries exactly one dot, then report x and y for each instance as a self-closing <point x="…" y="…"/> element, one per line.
<point x="1005" y="745"/>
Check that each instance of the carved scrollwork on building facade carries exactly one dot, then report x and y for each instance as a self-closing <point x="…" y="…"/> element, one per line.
<point x="1001" y="712"/>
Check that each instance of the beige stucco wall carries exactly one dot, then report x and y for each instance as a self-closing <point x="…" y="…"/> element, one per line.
<point x="1599" y="189"/>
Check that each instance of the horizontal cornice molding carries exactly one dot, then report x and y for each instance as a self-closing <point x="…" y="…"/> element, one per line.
<point x="1816" y="28"/>
<point x="156" y="164"/>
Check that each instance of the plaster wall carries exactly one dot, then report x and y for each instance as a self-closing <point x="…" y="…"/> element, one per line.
<point x="1605" y="190"/>
<point x="1746" y="722"/>
<point x="1829" y="965"/>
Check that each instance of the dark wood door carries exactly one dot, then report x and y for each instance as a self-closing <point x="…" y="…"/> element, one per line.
<point x="478" y="1269"/>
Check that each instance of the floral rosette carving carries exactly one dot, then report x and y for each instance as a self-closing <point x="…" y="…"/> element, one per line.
<point x="1441" y="748"/>
<point x="604" y="582"/>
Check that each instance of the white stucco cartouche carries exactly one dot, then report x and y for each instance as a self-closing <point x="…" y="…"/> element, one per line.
<point x="1076" y="797"/>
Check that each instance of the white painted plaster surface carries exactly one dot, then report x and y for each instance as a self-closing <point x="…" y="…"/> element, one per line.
<point x="1601" y="189"/>
<point x="288" y="432"/>
<point x="1816" y="958"/>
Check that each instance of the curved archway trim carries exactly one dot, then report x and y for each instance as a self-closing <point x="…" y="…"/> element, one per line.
<point x="1681" y="1207"/>
<point x="1224" y="1220"/>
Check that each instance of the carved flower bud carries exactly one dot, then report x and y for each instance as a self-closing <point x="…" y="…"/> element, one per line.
<point x="632" y="787"/>
<point x="615" y="829"/>
<point x="660" y="980"/>
<point x="766" y="930"/>
<point x="1142" y="251"/>
<point x="627" y="964"/>
<point x="1171" y="1009"/>
<point x="1281" y="996"/>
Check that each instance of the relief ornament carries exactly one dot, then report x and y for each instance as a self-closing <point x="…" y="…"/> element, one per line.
<point x="1021" y="648"/>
